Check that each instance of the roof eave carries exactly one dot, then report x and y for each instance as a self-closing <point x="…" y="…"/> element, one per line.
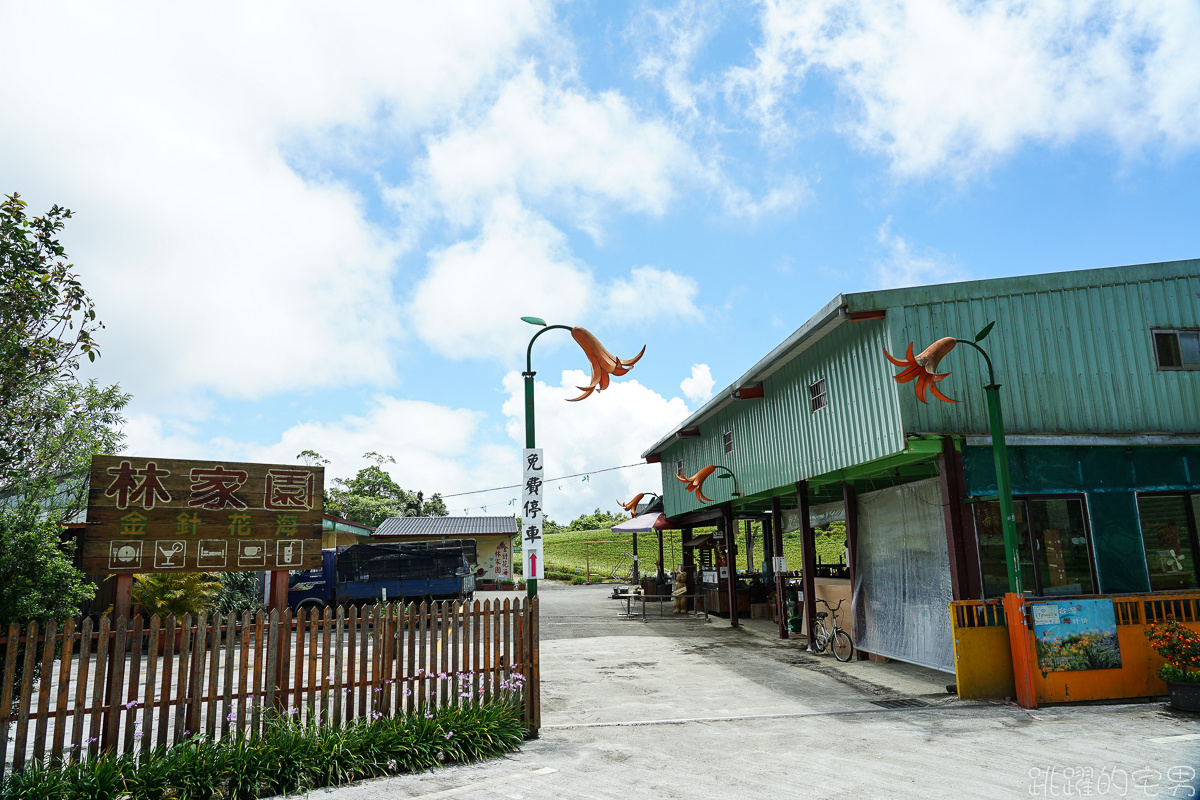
<point x="808" y="334"/>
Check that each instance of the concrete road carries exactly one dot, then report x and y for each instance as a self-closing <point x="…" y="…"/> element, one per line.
<point x="680" y="708"/>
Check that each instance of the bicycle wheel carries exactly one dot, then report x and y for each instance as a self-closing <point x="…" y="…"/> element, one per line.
<point x="843" y="648"/>
<point x="820" y="639"/>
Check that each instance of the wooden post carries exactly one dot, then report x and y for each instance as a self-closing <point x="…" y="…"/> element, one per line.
<point x="277" y="600"/>
<point x="850" y="502"/>
<point x="952" y="517"/>
<point x="808" y="557"/>
<point x="689" y="566"/>
<point x="637" y="573"/>
<point x="661" y="563"/>
<point x="1020" y="640"/>
<point x="780" y="577"/>
<point x="277" y="591"/>
<point x="727" y="525"/>
<point x="122" y="601"/>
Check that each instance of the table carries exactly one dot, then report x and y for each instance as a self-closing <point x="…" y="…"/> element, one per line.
<point x="659" y="598"/>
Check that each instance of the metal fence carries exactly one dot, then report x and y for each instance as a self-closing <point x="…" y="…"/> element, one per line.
<point x="123" y="686"/>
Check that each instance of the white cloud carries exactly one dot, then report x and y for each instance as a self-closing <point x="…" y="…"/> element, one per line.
<point x="904" y="265"/>
<point x="943" y="87"/>
<point x="699" y="385"/>
<point x="470" y="302"/>
<point x="651" y="293"/>
<point x="583" y="152"/>
<point x="789" y="193"/>
<point x="437" y="449"/>
<point x="676" y="37"/>
<point x="169" y="131"/>
<point x="608" y="429"/>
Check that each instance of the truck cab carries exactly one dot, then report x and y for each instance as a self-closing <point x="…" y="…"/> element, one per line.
<point x="369" y="572"/>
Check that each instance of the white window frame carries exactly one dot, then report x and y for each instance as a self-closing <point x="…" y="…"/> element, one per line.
<point x="822" y="396"/>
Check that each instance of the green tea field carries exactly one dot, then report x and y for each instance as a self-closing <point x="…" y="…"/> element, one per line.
<point x="608" y="556"/>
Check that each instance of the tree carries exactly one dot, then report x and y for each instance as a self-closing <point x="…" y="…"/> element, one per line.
<point x="51" y="422"/>
<point x="372" y="496"/>
<point x="594" y="521"/>
<point x="37" y="578"/>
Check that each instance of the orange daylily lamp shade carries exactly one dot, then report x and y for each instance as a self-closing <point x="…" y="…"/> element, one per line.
<point x="632" y="505"/>
<point x="603" y="362"/>
<point x="695" y="484"/>
<point x="922" y="368"/>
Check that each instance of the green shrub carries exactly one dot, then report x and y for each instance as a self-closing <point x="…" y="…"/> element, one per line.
<point x="287" y="758"/>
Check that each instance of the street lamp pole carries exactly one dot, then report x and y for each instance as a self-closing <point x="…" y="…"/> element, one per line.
<point x="1008" y="523"/>
<point x="530" y="435"/>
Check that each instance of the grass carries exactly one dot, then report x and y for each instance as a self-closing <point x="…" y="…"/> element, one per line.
<point x="287" y="758"/>
<point x="565" y="552"/>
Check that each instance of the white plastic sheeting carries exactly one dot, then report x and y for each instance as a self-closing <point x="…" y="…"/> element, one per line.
<point x="902" y="588"/>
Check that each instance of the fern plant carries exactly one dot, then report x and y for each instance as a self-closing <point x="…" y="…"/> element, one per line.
<point x="175" y="593"/>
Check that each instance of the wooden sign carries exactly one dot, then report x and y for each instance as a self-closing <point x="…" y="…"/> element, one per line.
<point x="169" y="515"/>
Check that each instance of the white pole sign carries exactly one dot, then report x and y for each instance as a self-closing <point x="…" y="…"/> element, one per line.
<point x="531" y="514"/>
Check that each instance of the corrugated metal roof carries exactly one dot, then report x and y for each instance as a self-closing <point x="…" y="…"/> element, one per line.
<point x="445" y="526"/>
<point x="1072" y="350"/>
<point x="1037" y="316"/>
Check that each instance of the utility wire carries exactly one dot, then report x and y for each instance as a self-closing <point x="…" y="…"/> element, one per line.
<point x="550" y="480"/>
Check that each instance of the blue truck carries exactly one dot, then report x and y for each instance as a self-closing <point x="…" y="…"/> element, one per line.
<point x="366" y="573"/>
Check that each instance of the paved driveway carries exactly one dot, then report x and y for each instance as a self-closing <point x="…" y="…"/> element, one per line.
<point x="683" y="709"/>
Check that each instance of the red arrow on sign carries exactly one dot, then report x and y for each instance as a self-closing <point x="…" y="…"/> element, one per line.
<point x="533" y="565"/>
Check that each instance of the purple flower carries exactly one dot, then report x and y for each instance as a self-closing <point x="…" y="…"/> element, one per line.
<point x="428" y="715"/>
<point x="131" y="704"/>
<point x="231" y="716"/>
<point x="408" y="692"/>
<point x="392" y="764"/>
<point x="138" y="734"/>
<point x="448" y="735"/>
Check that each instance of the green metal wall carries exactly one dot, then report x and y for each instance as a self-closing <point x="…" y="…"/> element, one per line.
<point x="778" y="440"/>
<point x="1110" y="477"/>
<point x="1072" y="351"/>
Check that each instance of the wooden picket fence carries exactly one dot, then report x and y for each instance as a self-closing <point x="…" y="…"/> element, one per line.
<point x="118" y="687"/>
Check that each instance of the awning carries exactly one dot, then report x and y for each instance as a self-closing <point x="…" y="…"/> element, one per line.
<point x="643" y="524"/>
<point x="701" y="541"/>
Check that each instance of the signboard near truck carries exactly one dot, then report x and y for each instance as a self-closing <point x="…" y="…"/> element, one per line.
<point x="171" y="515"/>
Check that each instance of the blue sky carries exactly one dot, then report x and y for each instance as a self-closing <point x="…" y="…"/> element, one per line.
<point x="312" y="227"/>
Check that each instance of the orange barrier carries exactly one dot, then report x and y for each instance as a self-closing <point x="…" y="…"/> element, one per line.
<point x="983" y="651"/>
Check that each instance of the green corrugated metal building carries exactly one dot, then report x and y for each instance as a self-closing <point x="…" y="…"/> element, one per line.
<point x="1100" y="376"/>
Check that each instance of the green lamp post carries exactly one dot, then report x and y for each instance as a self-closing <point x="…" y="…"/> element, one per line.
<point x="921" y="368"/>
<point x="603" y="364"/>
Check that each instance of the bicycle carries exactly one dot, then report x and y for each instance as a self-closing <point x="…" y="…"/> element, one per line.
<point x="842" y="645"/>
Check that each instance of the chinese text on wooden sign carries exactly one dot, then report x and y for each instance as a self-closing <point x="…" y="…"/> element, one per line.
<point x="532" y="514"/>
<point x="164" y="515"/>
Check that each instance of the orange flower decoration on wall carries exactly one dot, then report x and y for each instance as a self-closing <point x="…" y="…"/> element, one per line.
<point x="923" y="368"/>
<point x="604" y="363"/>
<point x="695" y="484"/>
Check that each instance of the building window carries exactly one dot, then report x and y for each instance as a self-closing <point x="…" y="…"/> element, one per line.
<point x="816" y="395"/>
<point x="679" y="467"/>
<point x="728" y="441"/>
<point x="1169" y="538"/>
<point x="1177" y="349"/>
<point x="1052" y="540"/>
